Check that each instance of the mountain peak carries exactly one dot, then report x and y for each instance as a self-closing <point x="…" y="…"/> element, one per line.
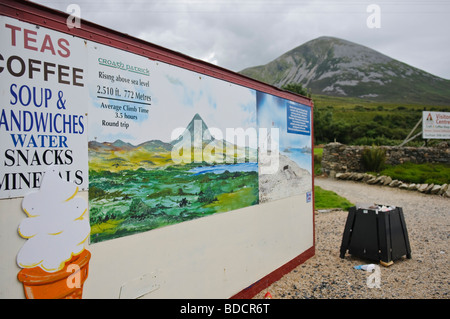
<point x="196" y="129"/>
<point x="195" y="123"/>
<point x="338" y="67"/>
<point x="328" y="39"/>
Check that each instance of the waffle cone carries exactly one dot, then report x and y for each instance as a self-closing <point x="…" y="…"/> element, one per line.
<point x="39" y="284"/>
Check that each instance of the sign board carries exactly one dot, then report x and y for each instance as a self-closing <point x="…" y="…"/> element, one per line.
<point x="43" y="114"/>
<point x="435" y="125"/>
<point x="168" y="145"/>
<point x="162" y="140"/>
<point x="160" y="147"/>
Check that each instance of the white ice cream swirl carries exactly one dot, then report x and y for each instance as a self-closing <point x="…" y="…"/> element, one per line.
<point x="57" y="226"/>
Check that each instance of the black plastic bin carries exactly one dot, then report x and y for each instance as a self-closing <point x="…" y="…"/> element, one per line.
<point x="376" y="232"/>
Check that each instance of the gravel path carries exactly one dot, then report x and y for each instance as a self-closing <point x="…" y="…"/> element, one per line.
<point x="326" y="275"/>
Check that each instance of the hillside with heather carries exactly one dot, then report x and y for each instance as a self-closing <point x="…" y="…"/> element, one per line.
<point x="360" y="96"/>
<point x="336" y="67"/>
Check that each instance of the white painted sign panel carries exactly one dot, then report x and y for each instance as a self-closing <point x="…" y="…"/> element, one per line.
<point x="435" y="125"/>
<point x="43" y="107"/>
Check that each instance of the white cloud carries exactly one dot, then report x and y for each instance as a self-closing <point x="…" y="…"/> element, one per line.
<point x="239" y="34"/>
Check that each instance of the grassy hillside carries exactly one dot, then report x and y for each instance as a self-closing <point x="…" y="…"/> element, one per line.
<point x="362" y="122"/>
<point x="337" y="67"/>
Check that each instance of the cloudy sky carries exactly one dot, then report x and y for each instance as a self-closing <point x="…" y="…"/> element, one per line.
<point x="236" y="34"/>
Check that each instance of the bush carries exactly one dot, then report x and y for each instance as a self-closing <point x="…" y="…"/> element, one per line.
<point x="373" y="159"/>
<point x="318" y="161"/>
<point x="207" y="196"/>
<point x="95" y="192"/>
<point x="296" y="88"/>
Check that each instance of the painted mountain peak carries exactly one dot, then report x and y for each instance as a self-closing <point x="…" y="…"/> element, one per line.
<point x="120" y="155"/>
<point x="197" y="129"/>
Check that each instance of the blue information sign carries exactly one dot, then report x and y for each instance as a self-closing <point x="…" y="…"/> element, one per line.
<point x="298" y="119"/>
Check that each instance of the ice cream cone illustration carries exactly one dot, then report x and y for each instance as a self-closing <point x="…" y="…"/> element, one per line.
<point x="63" y="284"/>
<point x="54" y="259"/>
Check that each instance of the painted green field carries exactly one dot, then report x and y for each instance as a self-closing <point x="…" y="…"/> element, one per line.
<point x="132" y="201"/>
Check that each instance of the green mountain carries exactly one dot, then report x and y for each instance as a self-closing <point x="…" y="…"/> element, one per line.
<point x="336" y="67"/>
<point x="197" y="130"/>
<point x="210" y="148"/>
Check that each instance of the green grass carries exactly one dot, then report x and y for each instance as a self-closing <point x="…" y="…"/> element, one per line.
<point x="324" y="199"/>
<point x="353" y="103"/>
<point x="318" y="151"/>
<point x="364" y="122"/>
<point x="419" y="173"/>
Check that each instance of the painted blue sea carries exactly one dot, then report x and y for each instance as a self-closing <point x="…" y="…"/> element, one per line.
<point x="300" y="156"/>
<point x="219" y="169"/>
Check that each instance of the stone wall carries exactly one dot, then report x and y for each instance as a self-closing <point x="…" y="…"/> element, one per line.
<point x="434" y="189"/>
<point x="339" y="158"/>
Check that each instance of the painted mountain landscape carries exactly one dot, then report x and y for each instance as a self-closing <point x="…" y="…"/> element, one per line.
<point x="135" y="188"/>
<point x="293" y="172"/>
